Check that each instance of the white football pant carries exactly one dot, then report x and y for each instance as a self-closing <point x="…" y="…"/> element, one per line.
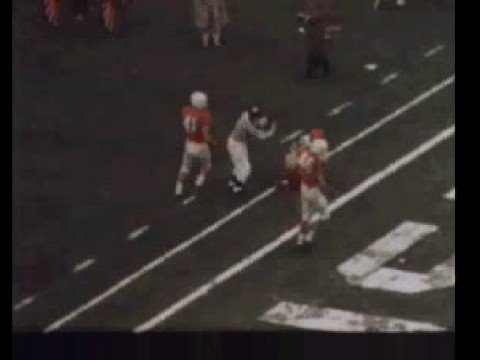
<point x="196" y="152"/>
<point x="239" y="155"/>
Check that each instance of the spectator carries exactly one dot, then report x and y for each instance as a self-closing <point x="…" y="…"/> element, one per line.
<point x="210" y="18"/>
<point x="319" y="23"/>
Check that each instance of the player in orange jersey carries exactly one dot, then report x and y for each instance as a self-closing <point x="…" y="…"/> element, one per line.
<point x="197" y="122"/>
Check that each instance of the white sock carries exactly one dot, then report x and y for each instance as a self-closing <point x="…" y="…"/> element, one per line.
<point x="178" y="188"/>
<point x="200" y="180"/>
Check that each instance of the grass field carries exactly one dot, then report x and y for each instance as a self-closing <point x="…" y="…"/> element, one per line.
<point x="97" y="144"/>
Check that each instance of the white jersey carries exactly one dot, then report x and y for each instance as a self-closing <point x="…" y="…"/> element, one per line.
<point x="243" y="128"/>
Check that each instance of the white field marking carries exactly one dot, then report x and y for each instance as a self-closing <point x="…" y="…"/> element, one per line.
<point x="337" y="110"/>
<point x="138" y="232"/>
<point x="83" y="265"/>
<point x="289" y="234"/>
<point x="450" y="195"/>
<point x="443" y="275"/>
<point x="330" y="319"/>
<point x="434" y="50"/>
<point x="238" y="211"/>
<point x="188" y="200"/>
<point x="370" y="67"/>
<point x="24" y="302"/>
<point x="425" y="95"/>
<point x="384" y="249"/>
<point x="291" y="136"/>
<point x="389" y="78"/>
<point x="406" y="282"/>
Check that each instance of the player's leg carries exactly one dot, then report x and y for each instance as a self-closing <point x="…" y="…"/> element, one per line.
<point x="80" y="8"/>
<point x="322" y="206"/>
<point x="306" y="215"/>
<point x="243" y="168"/>
<point x="185" y="167"/>
<point x="319" y="204"/>
<point x="323" y="60"/>
<point x="313" y="63"/>
<point x="205" y="159"/>
<point x="216" y="26"/>
<point x="52" y="11"/>
<point x="241" y="165"/>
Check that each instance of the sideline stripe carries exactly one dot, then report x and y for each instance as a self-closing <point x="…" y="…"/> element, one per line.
<point x="238" y="211"/>
<point x="291" y="136"/>
<point x="83" y="265"/>
<point x="434" y="50"/>
<point x="389" y="78"/>
<point x="337" y="110"/>
<point x="271" y="246"/>
<point x="138" y="232"/>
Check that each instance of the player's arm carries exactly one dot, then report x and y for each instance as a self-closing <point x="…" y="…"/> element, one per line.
<point x="208" y="133"/>
<point x="260" y="134"/>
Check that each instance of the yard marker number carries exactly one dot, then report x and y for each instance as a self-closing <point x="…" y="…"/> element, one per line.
<point x="383" y="250"/>
<point x="364" y="269"/>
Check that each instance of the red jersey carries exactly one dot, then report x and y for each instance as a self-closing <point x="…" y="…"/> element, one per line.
<point x="311" y="168"/>
<point x="196" y="123"/>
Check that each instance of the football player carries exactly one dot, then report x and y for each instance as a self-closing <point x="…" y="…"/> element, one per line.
<point x="197" y="123"/>
<point x="251" y="122"/>
<point x="311" y="166"/>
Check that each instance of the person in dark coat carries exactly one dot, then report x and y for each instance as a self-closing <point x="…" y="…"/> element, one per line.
<point x="319" y="23"/>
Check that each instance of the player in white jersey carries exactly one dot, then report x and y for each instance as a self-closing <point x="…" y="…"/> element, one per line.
<point x="251" y="122"/>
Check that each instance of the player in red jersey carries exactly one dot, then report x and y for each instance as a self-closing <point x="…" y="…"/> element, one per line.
<point x="290" y="178"/>
<point x="197" y="122"/>
<point x="311" y="166"/>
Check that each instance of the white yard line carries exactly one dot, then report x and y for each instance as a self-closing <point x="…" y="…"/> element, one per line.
<point x="450" y="195"/>
<point x="337" y="110"/>
<point x="83" y="265"/>
<point x="189" y="200"/>
<point x="291" y="136"/>
<point x="389" y="78"/>
<point x="138" y="232"/>
<point x="238" y="211"/>
<point x="24" y="302"/>
<point x="330" y="319"/>
<point x="411" y="104"/>
<point x="288" y="235"/>
<point x="434" y="50"/>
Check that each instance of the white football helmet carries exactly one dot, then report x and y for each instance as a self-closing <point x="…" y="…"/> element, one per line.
<point x="199" y="100"/>
<point x="319" y="147"/>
